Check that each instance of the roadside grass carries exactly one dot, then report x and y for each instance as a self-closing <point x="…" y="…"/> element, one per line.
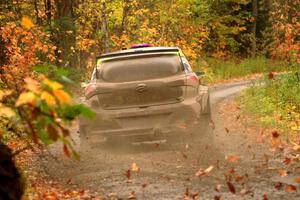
<point x="217" y="70"/>
<point x="275" y="102"/>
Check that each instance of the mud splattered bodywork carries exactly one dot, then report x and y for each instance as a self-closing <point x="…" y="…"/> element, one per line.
<point x="145" y="92"/>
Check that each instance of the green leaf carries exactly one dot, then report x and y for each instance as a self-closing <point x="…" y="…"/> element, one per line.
<point x="85" y="111"/>
<point x="44" y="137"/>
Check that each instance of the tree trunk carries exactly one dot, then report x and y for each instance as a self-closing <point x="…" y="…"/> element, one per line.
<point x="47" y="4"/>
<point x="254" y="26"/>
<point x="65" y="33"/>
<point x="38" y="19"/>
<point x="104" y="28"/>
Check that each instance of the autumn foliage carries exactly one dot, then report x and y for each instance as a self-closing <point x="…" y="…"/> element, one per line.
<point x="32" y="106"/>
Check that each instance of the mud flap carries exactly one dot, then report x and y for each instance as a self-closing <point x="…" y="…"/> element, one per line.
<point x="203" y="99"/>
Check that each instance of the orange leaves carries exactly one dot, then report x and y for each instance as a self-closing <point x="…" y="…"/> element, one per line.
<point x="62" y="96"/>
<point x="232" y="158"/>
<point x="297" y="179"/>
<point x="46" y="96"/>
<point x="282" y="172"/>
<point x="290" y="188"/>
<point x="52" y="94"/>
<point x="26" y="22"/>
<point x="57" y="90"/>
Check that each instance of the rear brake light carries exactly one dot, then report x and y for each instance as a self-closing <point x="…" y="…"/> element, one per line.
<point x="89" y="89"/>
<point x="193" y="77"/>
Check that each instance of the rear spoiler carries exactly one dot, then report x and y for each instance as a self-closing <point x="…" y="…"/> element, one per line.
<point x="138" y="51"/>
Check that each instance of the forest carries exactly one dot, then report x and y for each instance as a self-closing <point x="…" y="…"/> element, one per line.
<point x="48" y="47"/>
<point x="221" y="29"/>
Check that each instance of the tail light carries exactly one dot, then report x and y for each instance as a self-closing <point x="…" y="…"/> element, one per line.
<point x="193" y="77"/>
<point x="90" y="88"/>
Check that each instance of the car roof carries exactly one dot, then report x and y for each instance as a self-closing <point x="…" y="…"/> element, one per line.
<point x="139" y="50"/>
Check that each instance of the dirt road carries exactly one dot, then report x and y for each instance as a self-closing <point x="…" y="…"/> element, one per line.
<point x="160" y="171"/>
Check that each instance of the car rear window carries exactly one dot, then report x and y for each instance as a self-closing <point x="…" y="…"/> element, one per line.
<point x="140" y="67"/>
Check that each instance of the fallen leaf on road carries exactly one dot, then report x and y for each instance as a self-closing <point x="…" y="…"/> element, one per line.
<point x="232" y="158"/>
<point x="132" y="195"/>
<point x="212" y="124"/>
<point x="232" y="171"/>
<point x="297" y="179"/>
<point x="271" y="76"/>
<point x="290" y="188"/>
<point x="296" y="147"/>
<point x="195" y="195"/>
<point x="202" y="172"/>
<point x="227" y="130"/>
<point x="187" y="146"/>
<point x="276" y="141"/>
<point x="230" y="187"/>
<point x="287" y="161"/>
<point x="245" y="191"/>
<point x="238" y="178"/>
<point x="218" y="188"/>
<point x="265" y="197"/>
<point x="282" y="172"/>
<point x="275" y="134"/>
<point x="135" y="167"/>
<point x="218" y="198"/>
<point x="66" y="151"/>
<point x="128" y="174"/>
<point x="278" y="186"/>
<point x="183" y="126"/>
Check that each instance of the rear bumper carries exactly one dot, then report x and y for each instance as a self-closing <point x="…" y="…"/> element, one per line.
<point x="149" y="121"/>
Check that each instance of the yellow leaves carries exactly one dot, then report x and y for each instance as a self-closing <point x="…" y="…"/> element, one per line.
<point x="26" y="22"/>
<point x="52" y="84"/>
<point x="32" y="85"/>
<point x="46" y="96"/>
<point x="6" y="111"/>
<point x="62" y="96"/>
<point x="26" y="98"/>
<point x="57" y="91"/>
<point x="52" y="95"/>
